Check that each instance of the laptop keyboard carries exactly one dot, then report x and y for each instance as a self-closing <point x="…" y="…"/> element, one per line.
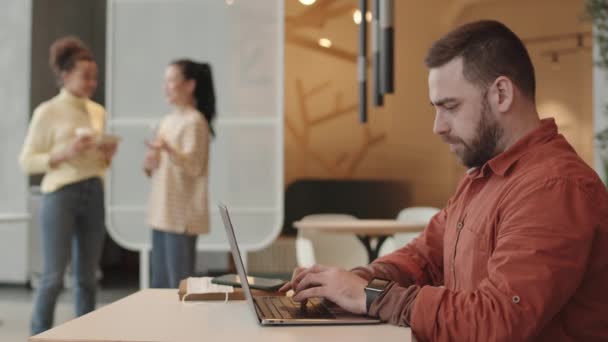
<point x="285" y="307"/>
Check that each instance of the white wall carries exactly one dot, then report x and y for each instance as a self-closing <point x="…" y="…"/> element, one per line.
<point x="600" y="101"/>
<point x="15" y="23"/>
<point x="243" y="42"/>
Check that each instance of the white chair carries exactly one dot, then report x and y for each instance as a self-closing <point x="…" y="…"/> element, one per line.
<point x="417" y="216"/>
<point x="334" y="249"/>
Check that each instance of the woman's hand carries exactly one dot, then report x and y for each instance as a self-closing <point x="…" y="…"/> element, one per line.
<point x="108" y="150"/>
<point x="152" y="158"/>
<point x="160" y="144"/>
<point x="78" y="146"/>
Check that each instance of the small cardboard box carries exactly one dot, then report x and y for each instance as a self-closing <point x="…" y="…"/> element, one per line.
<point x="236" y="295"/>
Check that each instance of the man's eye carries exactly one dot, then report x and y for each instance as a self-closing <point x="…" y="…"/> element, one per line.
<point x="451" y="108"/>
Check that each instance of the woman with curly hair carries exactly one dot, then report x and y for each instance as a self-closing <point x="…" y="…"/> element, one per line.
<point x="65" y="141"/>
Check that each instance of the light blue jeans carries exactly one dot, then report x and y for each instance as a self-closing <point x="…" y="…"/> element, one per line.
<point x="173" y="258"/>
<point x="72" y="219"/>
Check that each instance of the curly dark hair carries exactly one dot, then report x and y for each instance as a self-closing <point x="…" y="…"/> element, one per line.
<point x="65" y="52"/>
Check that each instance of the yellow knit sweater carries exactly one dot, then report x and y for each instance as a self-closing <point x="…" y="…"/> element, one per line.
<point x="53" y="128"/>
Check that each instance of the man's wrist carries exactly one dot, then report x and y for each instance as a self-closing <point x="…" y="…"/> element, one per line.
<point x="373" y="290"/>
<point x="363" y="272"/>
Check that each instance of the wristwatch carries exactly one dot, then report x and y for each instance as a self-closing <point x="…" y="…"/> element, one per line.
<point x="374" y="288"/>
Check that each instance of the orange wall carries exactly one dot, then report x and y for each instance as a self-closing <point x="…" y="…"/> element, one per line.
<point x="564" y="89"/>
<point x="407" y="149"/>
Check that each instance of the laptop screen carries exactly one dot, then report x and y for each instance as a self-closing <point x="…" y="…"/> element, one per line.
<point x="236" y="255"/>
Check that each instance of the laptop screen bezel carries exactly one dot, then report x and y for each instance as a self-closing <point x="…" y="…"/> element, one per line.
<point x="236" y="255"/>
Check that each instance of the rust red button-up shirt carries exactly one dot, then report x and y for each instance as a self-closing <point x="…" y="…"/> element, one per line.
<point x="520" y="253"/>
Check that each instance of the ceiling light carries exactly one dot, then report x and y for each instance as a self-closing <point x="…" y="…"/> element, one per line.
<point x="357" y="16"/>
<point x="324" y="42"/>
<point x="307" y="2"/>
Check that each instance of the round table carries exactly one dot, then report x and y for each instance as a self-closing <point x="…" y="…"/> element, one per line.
<point x="365" y="229"/>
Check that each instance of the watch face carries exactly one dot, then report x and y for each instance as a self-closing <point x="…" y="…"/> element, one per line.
<point x="378" y="284"/>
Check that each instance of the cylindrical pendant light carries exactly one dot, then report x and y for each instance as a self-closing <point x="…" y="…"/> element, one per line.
<point x="362" y="67"/>
<point x="387" y="47"/>
<point x="377" y="97"/>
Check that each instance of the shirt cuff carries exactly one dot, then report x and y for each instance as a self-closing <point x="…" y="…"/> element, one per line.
<point x="383" y="271"/>
<point x="395" y="304"/>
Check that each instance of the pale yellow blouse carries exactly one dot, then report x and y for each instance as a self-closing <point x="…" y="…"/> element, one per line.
<point x="53" y="128"/>
<point x="178" y="195"/>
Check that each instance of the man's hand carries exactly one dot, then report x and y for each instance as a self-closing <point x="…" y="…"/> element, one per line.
<point x="291" y="285"/>
<point x="335" y="284"/>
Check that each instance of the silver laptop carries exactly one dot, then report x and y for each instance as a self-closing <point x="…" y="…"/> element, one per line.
<point x="281" y="310"/>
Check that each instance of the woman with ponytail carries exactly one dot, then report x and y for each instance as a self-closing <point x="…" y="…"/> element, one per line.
<point x="66" y="142"/>
<point x="177" y="164"/>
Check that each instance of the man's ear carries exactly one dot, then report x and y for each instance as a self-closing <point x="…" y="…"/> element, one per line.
<point x="501" y="94"/>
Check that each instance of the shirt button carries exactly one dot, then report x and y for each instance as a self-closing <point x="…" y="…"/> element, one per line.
<point x="459" y="225"/>
<point x="515" y="299"/>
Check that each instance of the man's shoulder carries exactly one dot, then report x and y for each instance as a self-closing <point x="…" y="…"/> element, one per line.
<point x="553" y="163"/>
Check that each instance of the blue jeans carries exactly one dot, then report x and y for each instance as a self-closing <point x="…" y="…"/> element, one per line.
<point x="173" y="258"/>
<point x="72" y="217"/>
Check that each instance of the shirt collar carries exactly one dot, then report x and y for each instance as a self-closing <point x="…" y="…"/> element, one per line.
<point x="503" y="162"/>
<point x="65" y="95"/>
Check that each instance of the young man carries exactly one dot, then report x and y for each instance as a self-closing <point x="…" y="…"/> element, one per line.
<point x="520" y="252"/>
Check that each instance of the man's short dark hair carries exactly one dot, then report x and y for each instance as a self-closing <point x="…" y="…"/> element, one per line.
<point x="489" y="49"/>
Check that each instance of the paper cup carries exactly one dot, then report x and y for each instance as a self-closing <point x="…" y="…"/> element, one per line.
<point x="84" y="131"/>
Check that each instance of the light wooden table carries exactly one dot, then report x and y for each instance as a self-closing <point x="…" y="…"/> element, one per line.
<point x="365" y="229"/>
<point x="155" y="315"/>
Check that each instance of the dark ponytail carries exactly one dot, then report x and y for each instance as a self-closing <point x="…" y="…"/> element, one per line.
<point x="203" y="92"/>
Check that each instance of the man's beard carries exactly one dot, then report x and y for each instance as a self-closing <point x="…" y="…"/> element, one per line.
<point x="483" y="147"/>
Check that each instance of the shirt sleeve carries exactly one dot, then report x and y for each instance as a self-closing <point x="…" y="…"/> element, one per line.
<point x="543" y="244"/>
<point x="35" y="153"/>
<point x="193" y="153"/>
<point x="395" y="304"/>
<point x="419" y="262"/>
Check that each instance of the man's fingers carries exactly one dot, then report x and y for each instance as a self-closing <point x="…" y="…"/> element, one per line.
<point x="300" y="273"/>
<point x="305" y="271"/>
<point x="319" y="268"/>
<point x="297" y="271"/>
<point x="285" y="287"/>
<point x="311" y="280"/>
<point x="303" y="295"/>
<point x="290" y="284"/>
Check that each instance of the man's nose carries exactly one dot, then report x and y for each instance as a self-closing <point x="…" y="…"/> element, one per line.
<point x="440" y="126"/>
